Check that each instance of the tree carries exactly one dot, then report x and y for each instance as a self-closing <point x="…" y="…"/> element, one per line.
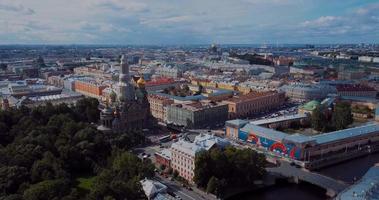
<point x="342" y="116"/>
<point x="218" y="169"/>
<point x="46" y="190"/>
<point x="318" y="119"/>
<point x="212" y="185"/>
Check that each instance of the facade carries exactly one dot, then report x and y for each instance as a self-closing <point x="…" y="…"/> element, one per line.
<point x="307" y="92"/>
<point x="92" y="71"/>
<point x="356" y="90"/>
<point x="168" y="71"/>
<point x="19" y="89"/>
<point x="253" y="103"/>
<point x="163" y="158"/>
<point x="307" y="70"/>
<point x="131" y="111"/>
<point x="158" y="106"/>
<point x="89" y="88"/>
<point x="161" y="83"/>
<point x="183" y="153"/>
<point x="351" y="75"/>
<point x="197" y="114"/>
<point x="313" y="151"/>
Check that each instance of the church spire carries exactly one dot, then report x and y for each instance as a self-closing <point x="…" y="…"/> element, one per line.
<point x="126" y="91"/>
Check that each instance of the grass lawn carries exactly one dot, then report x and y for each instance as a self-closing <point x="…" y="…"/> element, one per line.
<point x="85" y="183"/>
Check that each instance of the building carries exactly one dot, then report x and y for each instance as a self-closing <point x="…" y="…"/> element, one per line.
<point x="93" y="72"/>
<point x="89" y="87"/>
<point x="351" y="75"/>
<point x="183" y="153"/>
<point x="307" y="70"/>
<point x="312" y="151"/>
<point x="283" y="121"/>
<point x="307" y="92"/>
<point x="309" y="107"/>
<point x="197" y="114"/>
<point x="365" y="58"/>
<point x="163" y="158"/>
<point x="356" y="90"/>
<point x="67" y="98"/>
<point x="152" y="188"/>
<point x="19" y="89"/>
<point x="162" y="83"/>
<point x="131" y="111"/>
<point x="168" y="71"/>
<point x="367" y="188"/>
<point x="253" y="103"/>
<point x="158" y="106"/>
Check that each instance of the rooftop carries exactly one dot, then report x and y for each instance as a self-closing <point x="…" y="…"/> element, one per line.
<point x="320" y="139"/>
<point x="279" y="119"/>
<point x="348" y="87"/>
<point x="366" y="189"/>
<point x="250" y="96"/>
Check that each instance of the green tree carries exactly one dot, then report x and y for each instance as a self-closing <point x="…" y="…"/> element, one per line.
<point x="342" y="116"/>
<point x="318" y="119"/>
<point x="212" y="185"/>
<point x="47" y="190"/>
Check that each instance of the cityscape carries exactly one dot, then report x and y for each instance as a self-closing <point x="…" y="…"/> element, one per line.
<point x="189" y="100"/>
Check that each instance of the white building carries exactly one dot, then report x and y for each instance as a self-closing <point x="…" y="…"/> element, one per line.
<point x="183" y="153"/>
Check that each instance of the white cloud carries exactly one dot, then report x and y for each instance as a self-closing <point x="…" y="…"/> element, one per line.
<point x="9" y="6"/>
<point x="323" y="21"/>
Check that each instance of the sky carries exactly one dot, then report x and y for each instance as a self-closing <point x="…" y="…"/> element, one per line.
<point x="155" y="22"/>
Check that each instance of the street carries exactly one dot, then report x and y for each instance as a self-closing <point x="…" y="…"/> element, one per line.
<point x="184" y="193"/>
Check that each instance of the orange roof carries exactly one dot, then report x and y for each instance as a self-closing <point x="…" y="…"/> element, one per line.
<point x="250" y="96"/>
<point x="160" y="81"/>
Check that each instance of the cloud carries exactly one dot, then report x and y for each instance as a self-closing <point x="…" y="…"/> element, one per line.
<point x="17" y="8"/>
<point x="323" y="21"/>
<point x="182" y="21"/>
<point x="118" y="5"/>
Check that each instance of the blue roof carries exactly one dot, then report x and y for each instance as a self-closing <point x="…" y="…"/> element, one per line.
<point x="319" y="139"/>
<point x="346" y="133"/>
<point x="264" y="132"/>
<point x="366" y="189"/>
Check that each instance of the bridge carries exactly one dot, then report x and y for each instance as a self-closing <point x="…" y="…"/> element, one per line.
<point x="332" y="186"/>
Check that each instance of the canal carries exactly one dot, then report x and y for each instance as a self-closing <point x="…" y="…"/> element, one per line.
<point x="346" y="171"/>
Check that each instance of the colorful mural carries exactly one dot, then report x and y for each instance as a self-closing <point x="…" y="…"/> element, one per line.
<point x="289" y="150"/>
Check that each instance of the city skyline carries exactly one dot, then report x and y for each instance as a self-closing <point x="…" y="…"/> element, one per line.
<point x="130" y="22"/>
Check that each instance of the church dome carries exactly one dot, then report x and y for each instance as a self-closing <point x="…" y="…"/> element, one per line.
<point x="141" y="82"/>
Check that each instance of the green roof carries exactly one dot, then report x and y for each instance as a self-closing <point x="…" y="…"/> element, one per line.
<point x="311" y="105"/>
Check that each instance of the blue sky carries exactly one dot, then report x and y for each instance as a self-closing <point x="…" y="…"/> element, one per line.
<point x="188" y="21"/>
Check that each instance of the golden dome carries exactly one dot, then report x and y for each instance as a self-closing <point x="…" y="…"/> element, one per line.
<point x="141" y="82"/>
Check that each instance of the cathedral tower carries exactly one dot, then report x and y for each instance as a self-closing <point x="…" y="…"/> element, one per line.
<point x="126" y="91"/>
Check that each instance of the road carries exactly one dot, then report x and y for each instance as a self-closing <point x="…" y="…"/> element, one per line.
<point x="184" y="193"/>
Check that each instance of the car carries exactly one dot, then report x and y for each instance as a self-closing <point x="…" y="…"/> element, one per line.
<point x="177" y="197"/>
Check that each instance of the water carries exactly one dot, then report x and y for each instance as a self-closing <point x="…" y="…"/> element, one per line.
<point x="285" y="191"/>
<point x="346" y="171"/>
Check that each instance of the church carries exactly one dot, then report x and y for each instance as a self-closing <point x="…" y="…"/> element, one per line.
<point x="131" y="110"/>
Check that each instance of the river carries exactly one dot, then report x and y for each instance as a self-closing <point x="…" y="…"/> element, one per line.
<point x="346" y="171"/>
